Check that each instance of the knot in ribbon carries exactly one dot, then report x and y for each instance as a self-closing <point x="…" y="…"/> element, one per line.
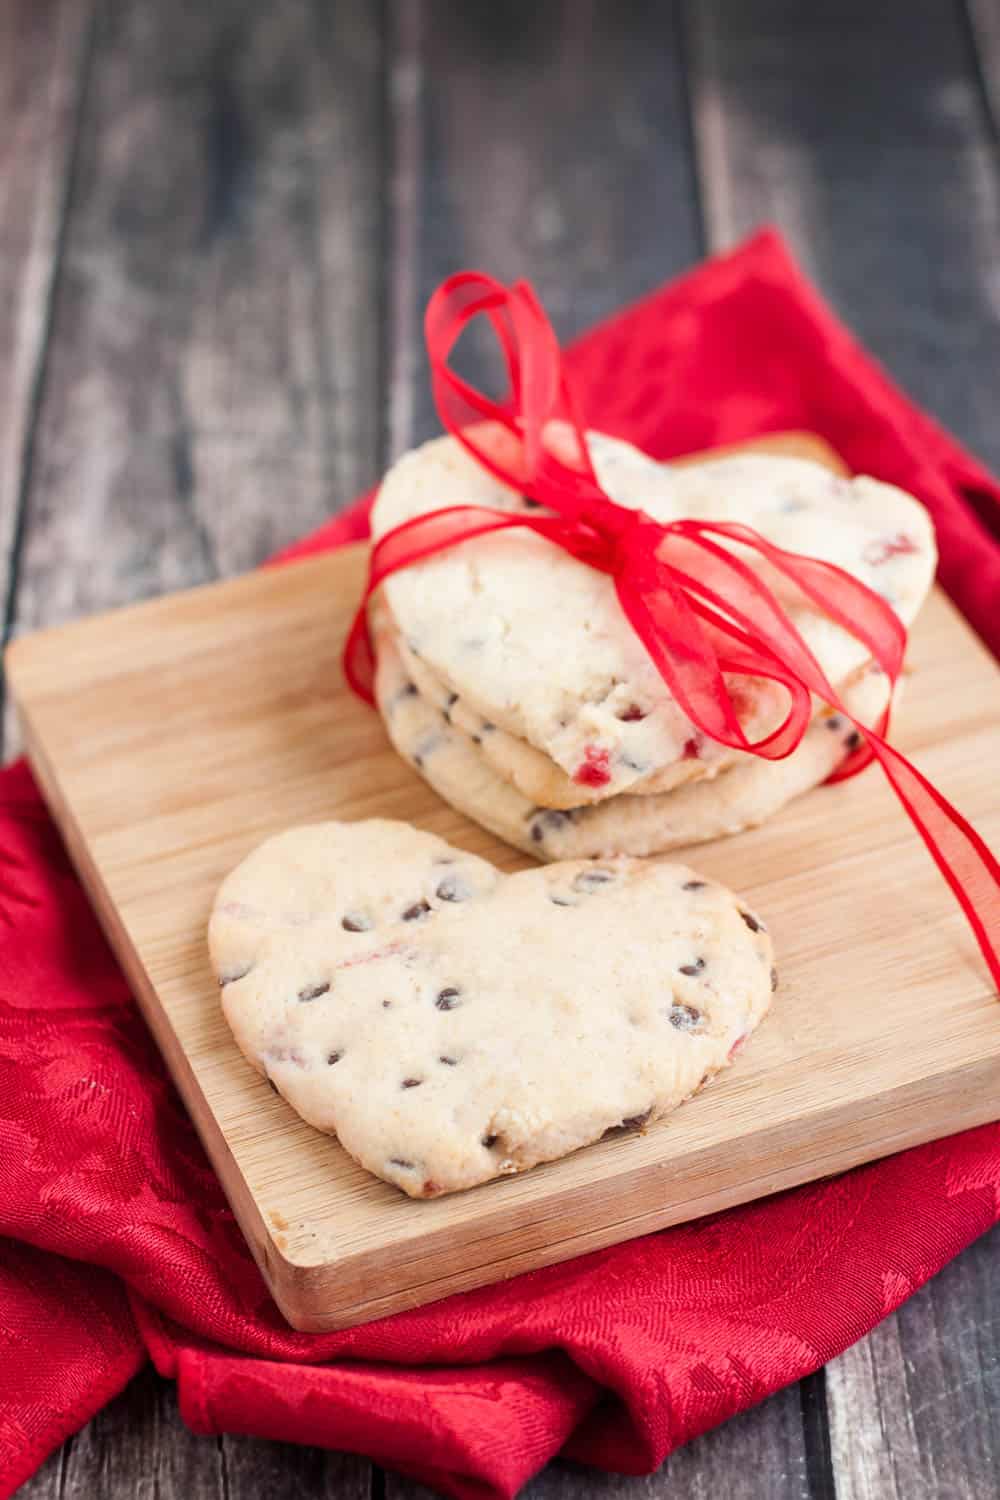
<point x="685" y="586"/>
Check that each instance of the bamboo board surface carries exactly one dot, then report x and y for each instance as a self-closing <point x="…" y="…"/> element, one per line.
<point x="170" y="738"/>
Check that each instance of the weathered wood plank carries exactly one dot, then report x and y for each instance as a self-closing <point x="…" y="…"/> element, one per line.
<point x="211" y="388"/>
<point x="861" y="131"/>
<point x="210" y="393"/>
<point x="863" y="134"/>
<point x="984" y="27"/>
<point x="915" y="1408"/>
<point x="43" y="58"/>
<point x="737" y="1460"/>
<point x="138" y="1446"/>
<point x="552" y="142"/>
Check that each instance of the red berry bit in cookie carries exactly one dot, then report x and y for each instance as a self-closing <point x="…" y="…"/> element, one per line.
<point x="593" y="769"/>
<point x="884" y="548"/>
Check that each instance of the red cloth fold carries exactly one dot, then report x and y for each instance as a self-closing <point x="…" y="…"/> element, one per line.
<point x="121" y="1243"/>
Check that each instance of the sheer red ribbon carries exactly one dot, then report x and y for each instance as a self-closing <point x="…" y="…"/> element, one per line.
<point x="698" y="608"/>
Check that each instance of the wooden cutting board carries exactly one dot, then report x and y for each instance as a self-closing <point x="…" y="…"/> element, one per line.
<point x="171" y="737"/>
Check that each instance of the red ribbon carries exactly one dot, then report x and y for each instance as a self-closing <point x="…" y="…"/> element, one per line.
<point x="698" y="608"/>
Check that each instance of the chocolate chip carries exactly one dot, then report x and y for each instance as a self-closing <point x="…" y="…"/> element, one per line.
<point x="477" y="739"/>
<point x="448" y="998"/>
<point x="632" y="764"/>
<point x="397" y="1161"/>
<point x="547" y="819"/>
<point x="489" y="1141"/>
<point x="230" y="976"/>
<point x="426" y="747"/>
<point x="356" y="921"/>
<point x="592" y="880"/>
<point x="487" y="727"/>
<point x="334" y="1057"/>
<point x="453" y="888"/>
<point x="416" y="912"/>
<point x="446" y="711"/>
<point x="408" y="690"/>
<point x="693" y="885"/>
<point x="853" y="740"/>
<point x="774" y="980"/>
<point x="684" y="1017"/>
<point x="632" y="714"/>
<point x="387" y="1005"/>
<point x="752" y="921"/>
<point x="530" y="504"/>
<point x="833" y="722"/>
<point x="313" y="991"/>
<point x="449" y="1062"/>
<point x="411" y="1083"/>
<point x="692" y="969"/>
<point x="558" y="900"/>
<point x="632" y="1122"/>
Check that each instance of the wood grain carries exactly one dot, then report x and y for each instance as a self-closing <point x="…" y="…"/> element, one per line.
<point x="915" y="1407"/>
<point x="43" y="64"/>
<point x="157" y="693"/>
<point x="211" y="382"/>
<point x="861" y="131"/>
<point x="984" y="35"/>
<point x="758" y="1455"/>
<point x="864" y="135"/>
<point x="139" y="1446"/>
<point x="542" y="140"/>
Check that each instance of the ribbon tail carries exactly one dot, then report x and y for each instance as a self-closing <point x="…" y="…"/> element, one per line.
<point x="959" y="852"/>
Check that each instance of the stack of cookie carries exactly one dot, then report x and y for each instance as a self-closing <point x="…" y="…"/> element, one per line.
<point x="509" y="677"/>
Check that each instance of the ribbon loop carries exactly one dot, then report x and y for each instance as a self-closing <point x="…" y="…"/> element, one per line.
<point x="702" y="612"/>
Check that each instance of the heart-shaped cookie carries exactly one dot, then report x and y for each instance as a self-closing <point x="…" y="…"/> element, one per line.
<point x="450" y="1024"/>
<point x="453" y="762"/>
<point x="536" y="642"/>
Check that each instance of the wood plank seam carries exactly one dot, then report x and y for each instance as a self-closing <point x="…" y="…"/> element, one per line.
<point x="41" y="359"/>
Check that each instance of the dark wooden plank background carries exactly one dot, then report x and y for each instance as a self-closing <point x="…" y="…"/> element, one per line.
<point x="218" y="226"/>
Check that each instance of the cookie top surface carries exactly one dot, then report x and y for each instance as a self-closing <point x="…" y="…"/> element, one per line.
<point x="536" y="642"/>
<point x="450" y="1024"/>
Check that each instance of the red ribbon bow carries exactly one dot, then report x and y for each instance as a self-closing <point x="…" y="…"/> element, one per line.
<point x="698" y="608"/>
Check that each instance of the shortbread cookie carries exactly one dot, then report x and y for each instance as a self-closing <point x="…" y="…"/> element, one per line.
<point x="536" y="642"/>
<point x="742" y="797"/>
<point x="537" y="777"/>
<point x="450" y="1024"/>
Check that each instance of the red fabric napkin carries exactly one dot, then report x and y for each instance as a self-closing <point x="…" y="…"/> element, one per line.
<point x="121" y="1244"/>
